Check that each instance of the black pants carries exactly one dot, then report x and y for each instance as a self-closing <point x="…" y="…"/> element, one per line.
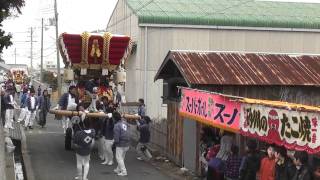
<point x="212" y="174"/>
<point x="43" y="118"/>
<point x="3" y="116"/>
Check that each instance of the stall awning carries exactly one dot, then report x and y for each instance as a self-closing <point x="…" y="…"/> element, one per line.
<point x="243" y="68"/>
<point x="294" y="126"/>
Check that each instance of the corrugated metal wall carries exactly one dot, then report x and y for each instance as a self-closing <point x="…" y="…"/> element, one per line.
<point x="295" y="94"/>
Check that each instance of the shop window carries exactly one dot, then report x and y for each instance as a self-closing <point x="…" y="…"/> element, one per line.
<point x="171" y="91"/>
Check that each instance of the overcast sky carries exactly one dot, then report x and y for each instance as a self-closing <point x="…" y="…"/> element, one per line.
<point x="75" y="16"/>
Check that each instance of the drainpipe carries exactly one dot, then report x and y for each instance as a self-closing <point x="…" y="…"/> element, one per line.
<point x="145" y="64"/>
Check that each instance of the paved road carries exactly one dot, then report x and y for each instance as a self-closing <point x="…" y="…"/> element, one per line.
<point x="51" y="162"/>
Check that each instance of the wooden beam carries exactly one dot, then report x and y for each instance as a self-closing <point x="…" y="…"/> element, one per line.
<point x="92" y="114"/>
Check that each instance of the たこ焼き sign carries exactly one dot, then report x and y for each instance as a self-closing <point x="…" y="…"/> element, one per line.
<point x="292" y="129"/>
<point x="212" y="109"/>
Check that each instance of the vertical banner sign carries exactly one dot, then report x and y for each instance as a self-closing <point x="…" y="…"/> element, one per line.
<point x="292" y="129"/>
<point x="211" y="109"/>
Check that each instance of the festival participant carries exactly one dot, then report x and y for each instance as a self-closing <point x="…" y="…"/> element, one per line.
<point x="23" y="105"/>
<point x="32" y="104"/>
<point x="108" y="134"/>
<point x="141" y="108"/>
<point x="142" y="147"/>
<point x="68" y="101"/>
<point x="122" y="143"/>
<point x="44" y="107"/>
<point x="9" y="106"/>
<point x="83" y="141"/>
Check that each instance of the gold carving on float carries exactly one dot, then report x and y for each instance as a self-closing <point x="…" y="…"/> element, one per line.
<point x="85" y="46"/>
<point x="105" y="53"/>
<point x="95" y="50"/>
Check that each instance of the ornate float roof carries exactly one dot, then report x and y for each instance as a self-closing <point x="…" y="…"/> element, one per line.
<point x="94" y="51"/>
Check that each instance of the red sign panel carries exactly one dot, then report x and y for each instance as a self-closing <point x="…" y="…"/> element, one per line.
<point x="292" y="129"/>
<point x="212" y="109"/>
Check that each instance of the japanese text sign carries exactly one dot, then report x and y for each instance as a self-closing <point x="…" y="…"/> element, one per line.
<point x="293" y="129"/>
<point x="212" y="109"/>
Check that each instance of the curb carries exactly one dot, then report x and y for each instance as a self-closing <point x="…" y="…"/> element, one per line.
<point x="2" y="154"/>
<point x="26" y="157"/>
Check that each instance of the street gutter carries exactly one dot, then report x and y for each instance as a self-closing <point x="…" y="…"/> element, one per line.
<point x="2" y="154"/>
<point x="26" y="157"/>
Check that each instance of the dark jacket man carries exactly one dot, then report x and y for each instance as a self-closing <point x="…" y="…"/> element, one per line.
<point x="121" y="132"/>
<point x="64" y="100"/>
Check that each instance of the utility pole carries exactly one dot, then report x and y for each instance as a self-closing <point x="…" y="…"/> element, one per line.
<point x="41" y="65"/>
<point x="15" y="55"/>
<point x="31" y="50"/>
<point x="58" y="58"/>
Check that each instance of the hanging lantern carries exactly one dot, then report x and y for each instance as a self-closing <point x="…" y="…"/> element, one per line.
<point x="104" y="72"/>
<point x="68" y="74"/>
<point x="83" y="71"/>
<point x="121" y="76"/>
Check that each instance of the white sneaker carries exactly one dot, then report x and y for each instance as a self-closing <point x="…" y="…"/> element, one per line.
<point x="123" y="174"/>
<point x="104" y="162"/>
<point x="117" y="171"/>
<point x="139" y="158"/>
<point x="77" y="177"/>
<point x="110" y="163"/>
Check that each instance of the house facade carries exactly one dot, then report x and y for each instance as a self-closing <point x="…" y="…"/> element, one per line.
<point x="253" y="26"/>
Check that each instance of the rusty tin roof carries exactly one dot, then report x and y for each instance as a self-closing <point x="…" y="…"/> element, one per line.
<point x="241" y="68"/>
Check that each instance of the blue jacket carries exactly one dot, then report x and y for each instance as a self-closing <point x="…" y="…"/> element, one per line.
<point x="84" y="142"/>
<point x="142" y="110"/>
<point x="23" y="100"/>
<point x="29" y="104"/>
<point x="63" y="102"/>
<point x="121" y="134"/>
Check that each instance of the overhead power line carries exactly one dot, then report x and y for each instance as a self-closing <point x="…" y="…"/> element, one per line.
<point x="129" y="15"/>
